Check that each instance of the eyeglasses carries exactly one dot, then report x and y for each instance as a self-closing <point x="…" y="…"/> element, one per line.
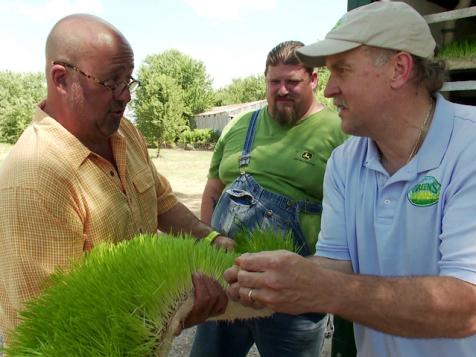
<point x="117" y="88"/>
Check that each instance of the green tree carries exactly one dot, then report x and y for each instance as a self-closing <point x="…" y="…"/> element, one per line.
<point x="324" y="74"/>
<point x="242" y="90"/>
<point x="189" y="74"/>
<point x="158" y="107"/>
<point x="19" y="95"/>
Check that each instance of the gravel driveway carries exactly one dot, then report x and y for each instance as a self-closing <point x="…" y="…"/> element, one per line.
<point x="183" y="344"/>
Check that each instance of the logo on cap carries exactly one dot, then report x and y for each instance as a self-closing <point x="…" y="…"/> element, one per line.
<point x="339" y="22"/>
<point x="425" y="193"/>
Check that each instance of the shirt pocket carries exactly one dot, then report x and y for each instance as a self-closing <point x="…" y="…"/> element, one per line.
<point x="145" y="191"/>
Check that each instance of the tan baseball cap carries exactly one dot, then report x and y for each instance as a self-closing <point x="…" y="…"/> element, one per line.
<point x="387" y="24"/>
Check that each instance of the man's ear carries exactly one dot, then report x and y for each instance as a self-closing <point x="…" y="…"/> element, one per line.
<point x="314" y="80"/>
<point x="402" y="69"/>
<point x="58" y="77"/>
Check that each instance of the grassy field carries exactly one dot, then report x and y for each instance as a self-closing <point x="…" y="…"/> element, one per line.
<point x="186" y="171"/>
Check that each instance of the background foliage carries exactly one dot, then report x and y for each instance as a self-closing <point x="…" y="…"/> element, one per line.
<point x="19" y="94"/>
<point x="158" y="108"/>
<point x="174" y="88"/>
<point x="323" y="74"/>
<point x="202" y="137"/>
<point x="242" y="90"/>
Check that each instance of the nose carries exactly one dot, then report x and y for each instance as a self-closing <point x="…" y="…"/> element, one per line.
<point x="125" y="95"/>
<point x="283" y="89"/>
<point x="332" y="88"/>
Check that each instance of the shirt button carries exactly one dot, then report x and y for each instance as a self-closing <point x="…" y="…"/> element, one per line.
<point x="269" y="213"/>
<point x="112" y="173"/>
<point x="387" y="202"/>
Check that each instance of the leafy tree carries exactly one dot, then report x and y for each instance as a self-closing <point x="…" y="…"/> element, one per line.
<point x="158" y="107"/>
<point x="324" y="74"/>
<point x="189" y="74"/>
<point x="19" y="95"/>
<point x="242" y="90"/>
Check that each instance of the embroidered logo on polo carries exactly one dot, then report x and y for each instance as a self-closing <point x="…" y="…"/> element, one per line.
<point x="305" y="156"/>
<point x="425" y="193"/>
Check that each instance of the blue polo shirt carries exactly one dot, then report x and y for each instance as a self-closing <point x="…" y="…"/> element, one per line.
<point x="419" y="221"/>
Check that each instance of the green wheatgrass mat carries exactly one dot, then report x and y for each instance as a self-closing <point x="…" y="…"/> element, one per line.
<point x="461" y="49"/>
<point x="127" y="299"/>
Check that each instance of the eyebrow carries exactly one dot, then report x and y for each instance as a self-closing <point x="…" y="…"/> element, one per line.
<point x="341" y="63"/>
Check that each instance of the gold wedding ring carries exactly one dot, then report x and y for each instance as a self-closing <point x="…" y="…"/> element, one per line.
<point x="250" y="296"/>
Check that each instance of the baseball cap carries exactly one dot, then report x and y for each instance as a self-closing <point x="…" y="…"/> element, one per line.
<point x="386" y="24"/>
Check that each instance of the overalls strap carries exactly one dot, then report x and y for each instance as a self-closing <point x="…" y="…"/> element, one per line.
<point x="250" y="135"/>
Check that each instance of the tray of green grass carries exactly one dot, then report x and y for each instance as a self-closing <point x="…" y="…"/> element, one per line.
<point x="127" y="299"/>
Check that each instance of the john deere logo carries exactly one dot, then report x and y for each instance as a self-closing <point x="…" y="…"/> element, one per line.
<point x="425" y="193"/>
<point x="339" y="22"/>
<point x="306" y="155"/>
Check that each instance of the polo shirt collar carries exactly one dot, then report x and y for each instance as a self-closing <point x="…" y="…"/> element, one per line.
<point x="432" y="150"/>
<point x="72" y="149"/>
<point x="436" y="142"/>
<point x="372" y="159"/>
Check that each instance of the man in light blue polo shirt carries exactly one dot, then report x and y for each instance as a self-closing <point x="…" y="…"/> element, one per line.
<point x="397" y="248"/>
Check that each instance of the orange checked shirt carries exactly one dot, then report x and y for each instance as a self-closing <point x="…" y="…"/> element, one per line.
<point x="57" y="198"/>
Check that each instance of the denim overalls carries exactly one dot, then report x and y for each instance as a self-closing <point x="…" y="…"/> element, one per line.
<point x="245" y="204"/>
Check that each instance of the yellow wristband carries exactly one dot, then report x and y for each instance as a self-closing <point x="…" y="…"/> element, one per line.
<point x="211" y="237"/>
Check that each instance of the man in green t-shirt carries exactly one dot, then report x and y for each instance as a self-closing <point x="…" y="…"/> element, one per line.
<point x="267" y="172"/>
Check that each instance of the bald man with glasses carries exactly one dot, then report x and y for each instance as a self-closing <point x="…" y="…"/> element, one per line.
<point x="80" y="174"/>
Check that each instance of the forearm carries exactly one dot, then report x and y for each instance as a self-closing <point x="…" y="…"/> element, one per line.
<point x="210" y="196"/>
<point x="344" y="266"/>
<point x="206" y="209"/>
<point x="180" y="220"/>
<point x="416" y="307"/>
<point x="419" y="307"/>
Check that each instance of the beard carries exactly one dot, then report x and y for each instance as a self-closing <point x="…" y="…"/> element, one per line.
<point x="285" y="115"/>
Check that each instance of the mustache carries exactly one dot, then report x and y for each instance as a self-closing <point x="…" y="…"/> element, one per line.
<point x="340" y="103"/>
<point x="118" y="108"/>
<point x="284" y="97"/>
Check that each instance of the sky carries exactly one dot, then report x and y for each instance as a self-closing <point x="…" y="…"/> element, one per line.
<point x="231" y="37"/>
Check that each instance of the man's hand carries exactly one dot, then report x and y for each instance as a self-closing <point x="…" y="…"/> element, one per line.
<point x="224" y="242"/>
<point x="281" y="280"/>
<point x="233" y="291"/>
<point x="209" y="300"/>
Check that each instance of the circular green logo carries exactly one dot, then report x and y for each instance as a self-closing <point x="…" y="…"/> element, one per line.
<point x="425" y="193"/>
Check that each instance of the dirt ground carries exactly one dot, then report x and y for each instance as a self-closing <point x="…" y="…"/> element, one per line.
<point x="187" y="173"/>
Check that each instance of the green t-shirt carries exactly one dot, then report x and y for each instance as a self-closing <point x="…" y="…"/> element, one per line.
<point x="288" y="161"/>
